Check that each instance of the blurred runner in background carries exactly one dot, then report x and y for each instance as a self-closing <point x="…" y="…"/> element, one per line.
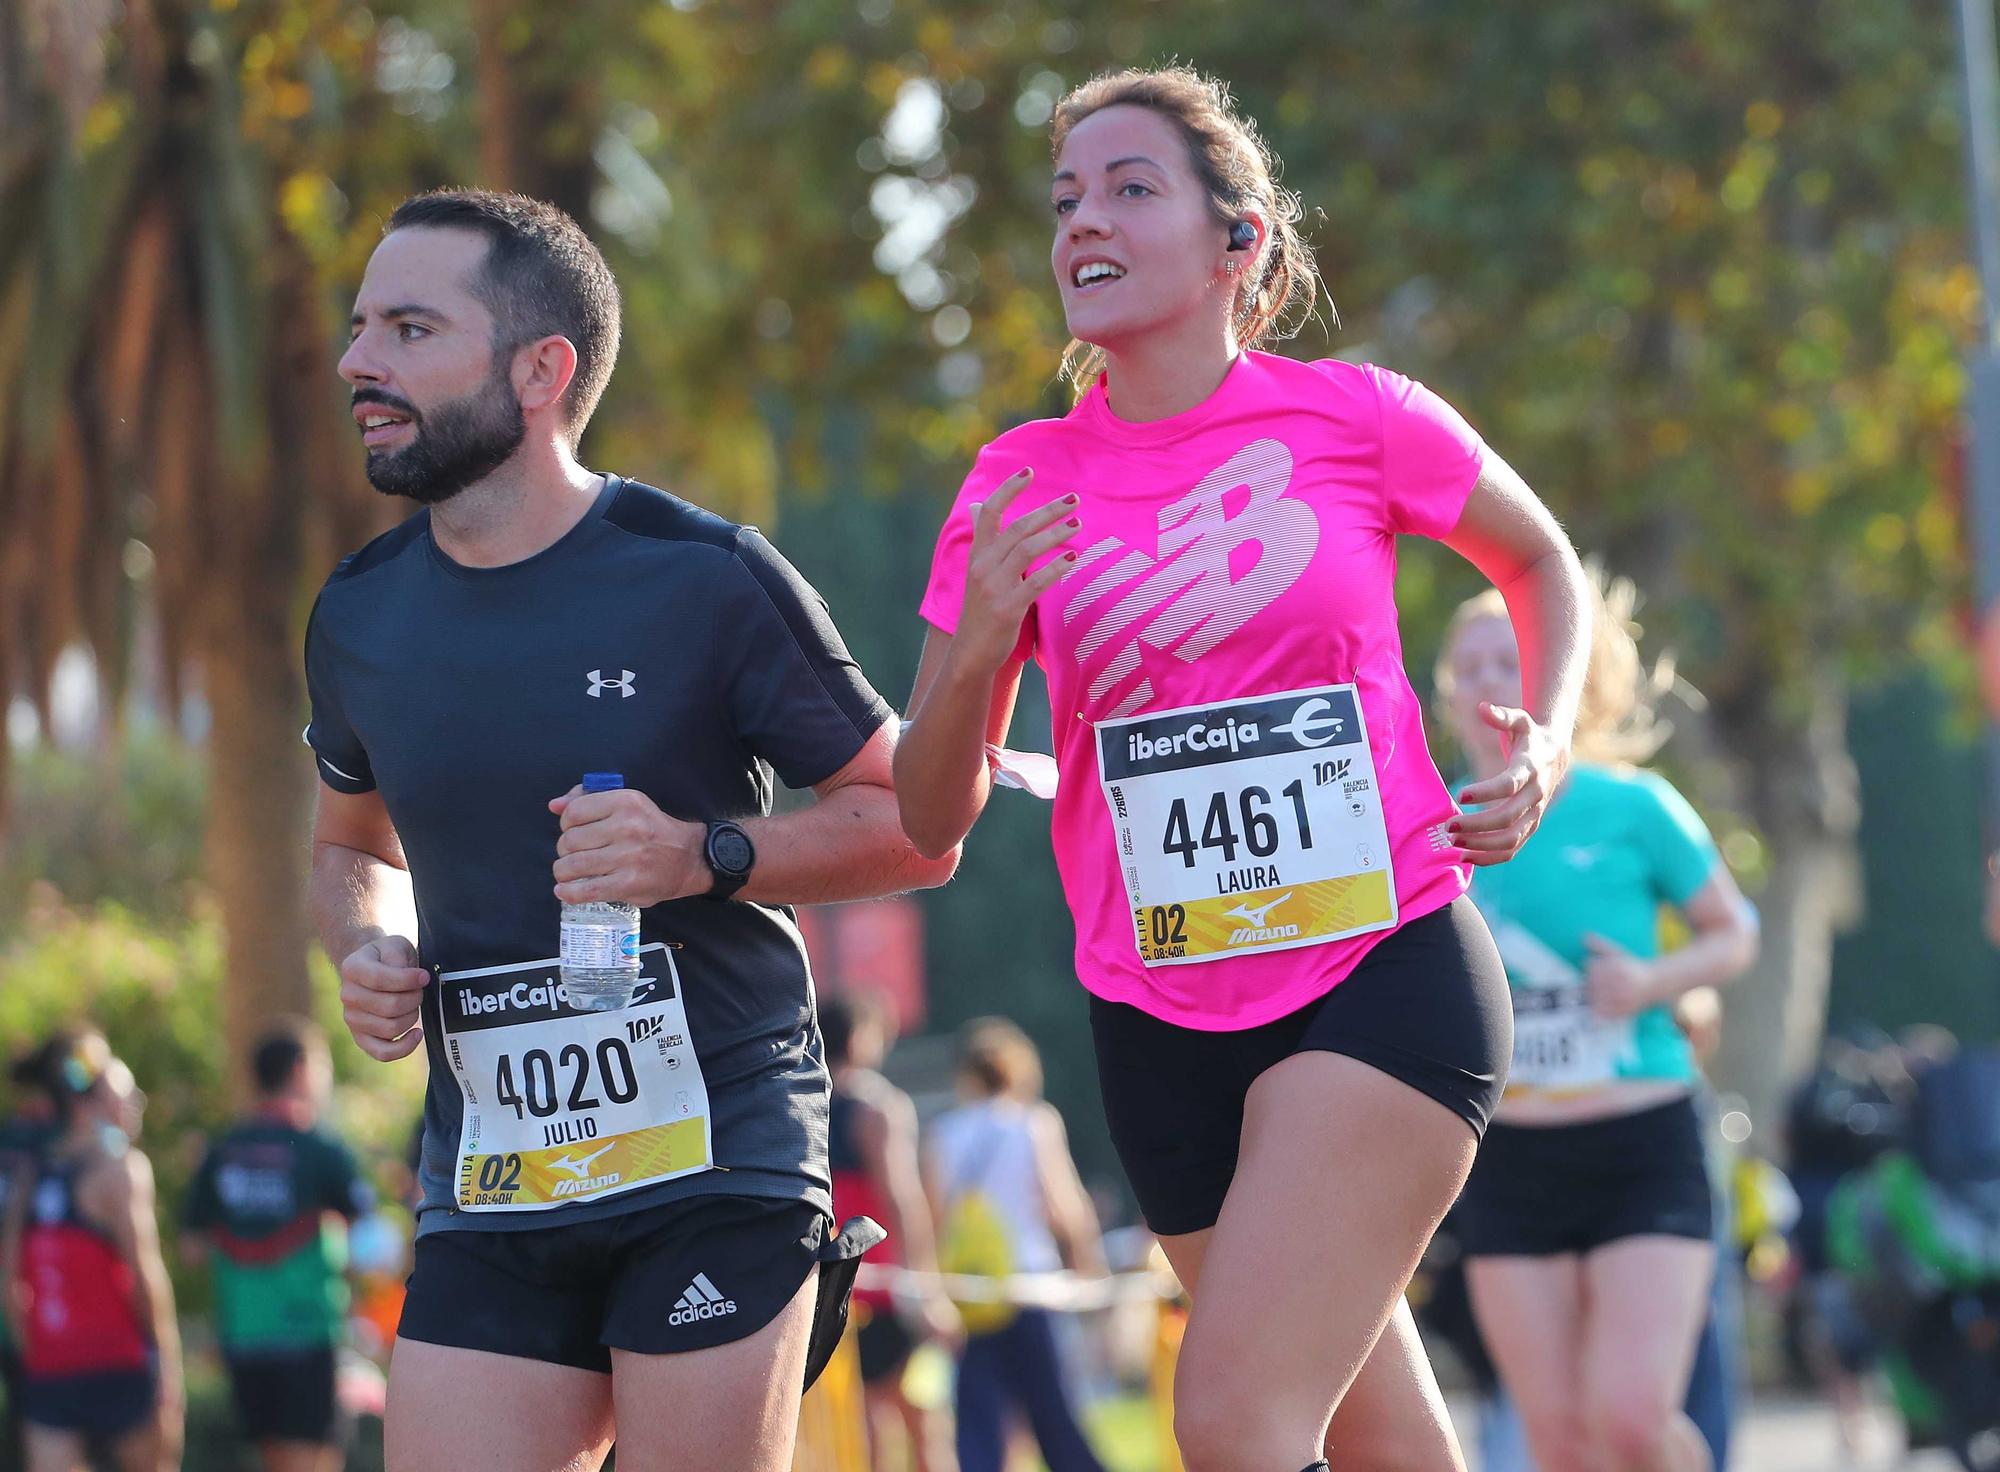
<point x="1008" y="1200"/>
<point x="270" y="1205"/>
<point x="80" y="1253"/>
<point x="872" y="1148"/>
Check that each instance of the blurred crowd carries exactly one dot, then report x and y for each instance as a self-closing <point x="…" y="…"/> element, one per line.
<point x="304" y="1274"/>
<point x="1872" y="1255"/>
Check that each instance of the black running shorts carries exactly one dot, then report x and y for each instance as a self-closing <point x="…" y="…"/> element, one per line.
<point x="1427" y="1006"/>
<point x="1545" y="1190"/>
<point x="288" y="1395"/>
<point x="884" y="1341"/>
<point x="108" y="1403"/>
<point x="689" y="1274"/>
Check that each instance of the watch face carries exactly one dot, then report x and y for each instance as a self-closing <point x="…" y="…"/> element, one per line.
<point x="732" y="852"/>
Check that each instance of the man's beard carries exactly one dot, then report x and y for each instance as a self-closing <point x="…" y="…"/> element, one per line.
<point x="453" y="446"/>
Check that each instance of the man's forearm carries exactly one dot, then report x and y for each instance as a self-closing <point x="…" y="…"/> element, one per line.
<point x="356" y="897"/>
<point x="849" y="845"/>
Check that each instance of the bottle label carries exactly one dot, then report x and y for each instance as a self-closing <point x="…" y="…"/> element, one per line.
<point x="597" y="947"/>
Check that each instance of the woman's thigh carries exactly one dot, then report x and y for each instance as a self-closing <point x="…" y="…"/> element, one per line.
<point x="1530" y="1312"/>
<point x="1343" y="1175"/>
<point x="1393" y="1402"/>
<point x="1648" y="1298"/>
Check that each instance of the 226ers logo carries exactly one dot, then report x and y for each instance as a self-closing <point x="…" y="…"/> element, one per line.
<point x="1186" y="600"/>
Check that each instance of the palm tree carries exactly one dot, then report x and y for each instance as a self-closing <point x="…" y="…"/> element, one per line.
<point x="165" y="347"/>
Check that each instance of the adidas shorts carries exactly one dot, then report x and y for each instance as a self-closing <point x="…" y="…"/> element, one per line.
<point x="690" y="1274"/>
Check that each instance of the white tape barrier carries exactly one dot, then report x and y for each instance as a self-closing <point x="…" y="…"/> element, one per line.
<point x="1063" y="1292"/>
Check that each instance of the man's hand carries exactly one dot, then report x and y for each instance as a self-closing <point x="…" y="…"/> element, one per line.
<point x="618" y="847"/>
<point x="381" y="997"/>
<point x="1619" y="983"/>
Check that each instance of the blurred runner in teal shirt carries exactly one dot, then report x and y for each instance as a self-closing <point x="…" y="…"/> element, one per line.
<point x="1588" y="1219"/>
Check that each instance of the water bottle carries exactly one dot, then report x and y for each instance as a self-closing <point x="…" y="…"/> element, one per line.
<point x="600" y="939"/>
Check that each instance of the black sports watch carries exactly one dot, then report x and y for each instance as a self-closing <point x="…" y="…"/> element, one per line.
<point x="730" y="855"/>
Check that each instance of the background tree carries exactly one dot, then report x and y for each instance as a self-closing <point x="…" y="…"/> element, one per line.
<point x="1696" y="269"/>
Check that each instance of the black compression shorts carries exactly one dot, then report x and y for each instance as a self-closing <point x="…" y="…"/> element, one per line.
<point x="1544" y="1190"/>
<point x="289" y="1395"/>
<point x="1427" y="1006"/>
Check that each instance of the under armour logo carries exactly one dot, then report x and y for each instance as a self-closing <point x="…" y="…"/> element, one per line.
<point x="623" y="684"/>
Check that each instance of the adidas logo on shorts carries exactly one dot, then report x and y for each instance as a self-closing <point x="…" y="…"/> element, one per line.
<point x="701" y="1301"/>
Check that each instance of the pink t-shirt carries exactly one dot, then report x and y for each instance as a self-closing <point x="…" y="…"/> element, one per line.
<point x="1245" y="548"/>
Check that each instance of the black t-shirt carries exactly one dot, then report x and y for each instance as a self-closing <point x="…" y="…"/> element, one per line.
<point x="656" y="640"/>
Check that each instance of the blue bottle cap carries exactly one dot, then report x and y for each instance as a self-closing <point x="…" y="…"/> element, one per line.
<point x="602" y="781"/>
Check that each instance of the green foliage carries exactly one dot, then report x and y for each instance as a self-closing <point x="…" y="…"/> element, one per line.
<point x="121" y="825"/>
<point x="1697" y="269"/>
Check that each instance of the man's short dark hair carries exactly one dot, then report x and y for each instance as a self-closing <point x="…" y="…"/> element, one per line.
<point x="542" y="277"/>
<point x="280" y="1052"/>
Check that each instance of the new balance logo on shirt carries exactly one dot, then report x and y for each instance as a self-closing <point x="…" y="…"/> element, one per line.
<point x="701" y="1301"/>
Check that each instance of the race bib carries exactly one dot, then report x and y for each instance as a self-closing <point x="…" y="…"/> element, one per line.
<point x="565" y="1105"/>
<point x="1250" y="826"/>
<point x="1560" y="1045"/>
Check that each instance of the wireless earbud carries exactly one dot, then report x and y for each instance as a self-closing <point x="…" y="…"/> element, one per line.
<point x="1242" y="235"/>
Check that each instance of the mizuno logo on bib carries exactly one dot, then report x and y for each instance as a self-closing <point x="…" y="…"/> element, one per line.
<point x="1247" y="826"/>
<point x="565" y="1105"/>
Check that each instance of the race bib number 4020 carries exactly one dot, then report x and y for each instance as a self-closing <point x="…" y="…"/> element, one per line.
<point x="565" y="1105"/>
<point x="1254" y="825"/>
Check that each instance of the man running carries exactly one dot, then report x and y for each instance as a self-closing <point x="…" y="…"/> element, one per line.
<point x="270" y="1203"/>
<point x="622" y="1211"/>
<point x="878" y="1173"/>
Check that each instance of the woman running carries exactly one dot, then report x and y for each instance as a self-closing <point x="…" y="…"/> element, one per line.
<point x="81" y="1255"/>
<point x="1587" y="1224"/>
<point x="1005" y="1187"/>
<point x="1301" y="1025"/>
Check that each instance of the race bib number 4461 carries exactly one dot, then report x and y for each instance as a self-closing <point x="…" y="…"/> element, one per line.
<point x="1249" y="826"/>
<point x="565" y="1105"/>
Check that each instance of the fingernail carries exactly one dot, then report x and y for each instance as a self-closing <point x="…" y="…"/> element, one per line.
<point x="1069" y="500"/>
<point x="1069" y="557"/>
<point x="1074" y="522"/>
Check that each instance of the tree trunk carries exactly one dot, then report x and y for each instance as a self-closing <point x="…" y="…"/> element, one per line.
<point x="259" y="777"/>
<point x="257" y="837"/>
<point x="1799" y="786"/>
